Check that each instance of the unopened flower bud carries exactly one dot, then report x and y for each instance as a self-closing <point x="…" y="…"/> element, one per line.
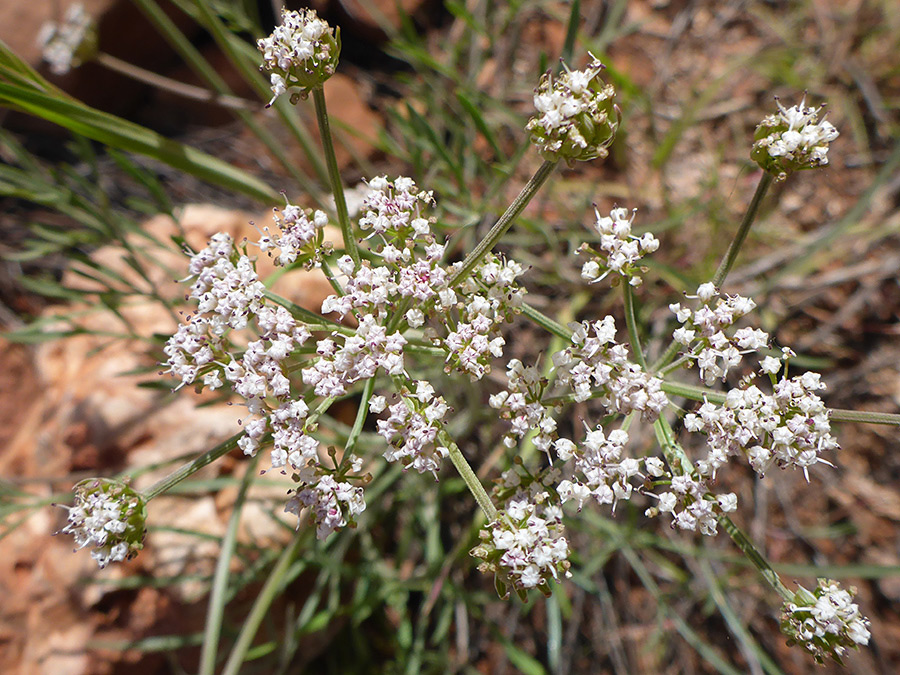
<point x="576" y="118"/>
<point x="302" y="52"/>
<point x="791" y="140"/>
<point x="110" y="516"/>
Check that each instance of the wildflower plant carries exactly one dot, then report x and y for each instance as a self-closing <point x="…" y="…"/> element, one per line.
<point x="406" y="317"/>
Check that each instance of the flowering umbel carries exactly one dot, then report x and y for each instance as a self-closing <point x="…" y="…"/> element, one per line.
<point x="792" y="139"/>
<point x="826" y="621"/>
<point x="620" y="250"/>
<point x="302" y="52"/>
<point x="525" y="546"/>
<point x="109" y="516"/>
<point x="71" y="42"/>
<point x="576" y="118"/>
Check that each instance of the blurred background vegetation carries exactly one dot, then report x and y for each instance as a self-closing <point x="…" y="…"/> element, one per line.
<point x="102" y="174"/>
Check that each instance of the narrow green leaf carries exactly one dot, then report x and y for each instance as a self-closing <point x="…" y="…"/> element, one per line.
<point x="481" y="125"/>
<point x="125" y="135"/>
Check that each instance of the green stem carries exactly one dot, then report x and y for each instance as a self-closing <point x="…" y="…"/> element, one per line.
<point x="673" y="366"/>
<point x="471" y="480"/>
<point x="730" y="256"/>
<point x="321" y="409"/>
<point x="675" y="455"/>
<point x="334" y="175"/>
<point x="680" y="465"/>
<point x="502" y="225"/>
<point x="835" y="414"/>
<point x="666" y="357"/>
<point x="261" y="606"/>
<point x="219" y="588"/>
<point x="312" y="320"/>
<point x="329" y="274"/>
<point x="735" y="247"/>
<point x="838" y="415"/>
<point x="753" y="555"/>
<point x="191" y="468"/>
<point x="548" y="324"/>
<point x="631" y="323"/>
<point x="361" y="413"/>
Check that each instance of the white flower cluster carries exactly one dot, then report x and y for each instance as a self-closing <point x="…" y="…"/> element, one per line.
<point x="412" y="429"/>
<point x="109" y="516"/>
<point x="596" y="365"/>
<point x="490" y="297"/>
<point x="525" y="545"/>
<point x="410" y="270"/>
<point x="826" y="622"/>
<point x="621" y="250"/>
<point x="66" y="45"/>
<point x="228" y="294"/>
<point x="301" y="236"/>
<point x="410" y="273"/>
<point x="599" y="471"/>
<point x="792" y="139"/>
<point x="333" y="501"/>
<point x="520" y="403"/>
<point x="789" y="427"/>
<point x="691" y="504"/>
<point x="703" y="331"/>
<point x="302" y="52"/>
<point x="576" y="118"/>
<point x="358" y="358"/>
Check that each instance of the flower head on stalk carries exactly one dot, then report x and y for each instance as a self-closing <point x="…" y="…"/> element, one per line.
<point x="302" y="52"/>
<point x="524" y="546"/>
<point x="301" y="236"/>
<point x="620" y="250"/>
<point x="792" y="139"/>
<point x="109" y="516"/>
<point x="825" y="621"/>
<point x="68" y="44"/>
<point x="334" y="497"/>
<point x="576" y="118"/>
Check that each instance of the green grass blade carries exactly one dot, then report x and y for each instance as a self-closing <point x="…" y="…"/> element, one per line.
<point x="124" y="135"/>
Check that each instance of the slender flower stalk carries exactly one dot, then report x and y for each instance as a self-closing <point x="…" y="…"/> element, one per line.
<point x="545" y="322"/>
<point x="765" y="182"/>
<point x="361" y="414"/>
<point x="471" y="480"/>
<point x="682" y="465"/>
<point x="334" y="175"/>
<point x="263" y="603"/>
<point x="218" y="592"/>
<point x="734" y="248"/>
<point x="631" y="323"/>
<point x="503" y="224"/>
<point x="192" y="467"/>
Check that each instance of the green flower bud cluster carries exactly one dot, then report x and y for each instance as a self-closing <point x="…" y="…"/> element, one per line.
<point x="826" y="621"/>
<point x="302" y="52"/>
<point x="791" y="140"/>
<point x="576" y="117"/>
<point x="110" y="516"/>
